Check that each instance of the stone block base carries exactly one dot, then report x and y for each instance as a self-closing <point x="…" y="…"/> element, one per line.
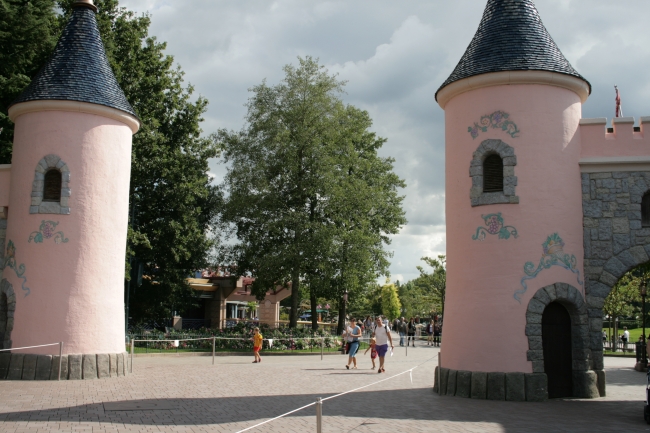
<point x="512" y="386"/>
<point x="20" y="366"/>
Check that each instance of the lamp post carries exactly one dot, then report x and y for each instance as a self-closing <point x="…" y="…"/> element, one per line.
<point x="644" y="354"/>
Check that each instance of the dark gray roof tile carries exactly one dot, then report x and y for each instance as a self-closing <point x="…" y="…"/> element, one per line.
<point x="78" y="70"/>
<point x="511" y="37"/>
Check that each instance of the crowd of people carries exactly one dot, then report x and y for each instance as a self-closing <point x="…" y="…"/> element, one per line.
<point x="379" y="333"/>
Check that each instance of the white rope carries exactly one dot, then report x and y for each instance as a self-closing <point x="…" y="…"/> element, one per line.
<point x="277" y="417"/>
<point x="30" y="347"/>
<point x="338" y="395"/>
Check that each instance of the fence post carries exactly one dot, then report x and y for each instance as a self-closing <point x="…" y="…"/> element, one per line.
<point x="132" y="343"/>
<point x="213" y="350"/>
<point x="319" y="415"/>
<point x="60" y="357"/>
<point x="322" y="343"/>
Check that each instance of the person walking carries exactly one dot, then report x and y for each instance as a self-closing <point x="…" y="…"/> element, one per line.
<point x="437" y="330"/>
<point x="257" y="345"/>
<point x="430" y="333"/>
<point x="354" y="332"/>
<point x="411" y="332"/>
<point x="373" y="351"/>
<point x="626" y="338"/>
<point x="401" y="329"/>
<point x="382" y="338"/>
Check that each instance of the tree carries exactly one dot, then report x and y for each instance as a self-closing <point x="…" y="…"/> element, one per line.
<point x="28" y="33"/>
<point x="390" y="303"/>
<point x="434" y="284"/>
<point x="306" y="194"/>
<point x="172" y="200"/>
<point x="623" y="300"/>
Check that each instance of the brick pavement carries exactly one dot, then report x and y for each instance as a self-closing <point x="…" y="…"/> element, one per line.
<point x="195" y="396"/>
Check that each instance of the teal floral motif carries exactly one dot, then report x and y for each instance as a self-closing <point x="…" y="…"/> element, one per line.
<point x="46" y="231"/>
<point x="496" y="120"/>
<point x="10" y="262"/>
<point x="553" y="255"/>
<point x="494" y="223"/>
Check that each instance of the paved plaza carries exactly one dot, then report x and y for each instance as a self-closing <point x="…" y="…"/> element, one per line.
<point x="188" y="394"/>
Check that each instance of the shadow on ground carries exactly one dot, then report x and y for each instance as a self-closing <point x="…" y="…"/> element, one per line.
<point x="417" y="404"/>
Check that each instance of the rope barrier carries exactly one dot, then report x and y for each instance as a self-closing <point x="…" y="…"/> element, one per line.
<point x="30" y="347"/>
<point x="321" y="400"/>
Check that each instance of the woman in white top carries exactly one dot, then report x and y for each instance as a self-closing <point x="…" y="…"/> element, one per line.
<point x="382" y="337"/>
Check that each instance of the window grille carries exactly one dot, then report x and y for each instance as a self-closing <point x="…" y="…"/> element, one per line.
<point x="493" y="174"/>
<point x="52" y="186"/>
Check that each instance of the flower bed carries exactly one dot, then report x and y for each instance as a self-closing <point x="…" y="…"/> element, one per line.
<point x="237" y="338"/>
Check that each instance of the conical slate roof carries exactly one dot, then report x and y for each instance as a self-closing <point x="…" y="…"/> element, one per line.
<point x="511" y="37"/>
<point x="78" y="70"/>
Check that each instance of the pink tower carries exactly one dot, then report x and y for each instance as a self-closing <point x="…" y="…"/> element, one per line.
<point x="514" y="213"/>
<point x="68" y="213"/>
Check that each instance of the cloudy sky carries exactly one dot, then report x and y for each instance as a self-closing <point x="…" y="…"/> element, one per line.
<point x="394" y="55"/>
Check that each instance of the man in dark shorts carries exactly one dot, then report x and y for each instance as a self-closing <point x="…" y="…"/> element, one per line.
<point x="382" y="338"/>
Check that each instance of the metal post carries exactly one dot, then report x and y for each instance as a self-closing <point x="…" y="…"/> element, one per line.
<point x="213" y="350"/>
<point x="407" y="346"/>
<point x="132" y="344"/>
<point x="644" y="354"/>
<point x="60" y="358"/>
<point x="322" y="343"/>
<point x="319" y="415"/>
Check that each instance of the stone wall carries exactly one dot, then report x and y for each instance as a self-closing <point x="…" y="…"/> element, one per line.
<point x="491" y="386"/>
<point x="19" y="366"/>
<point x="614" y="241"/>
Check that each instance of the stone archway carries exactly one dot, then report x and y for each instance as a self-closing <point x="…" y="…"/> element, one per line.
<point x="586" y="383"/>
<point x="7" y="309"/>
<point x="615" y="240"/>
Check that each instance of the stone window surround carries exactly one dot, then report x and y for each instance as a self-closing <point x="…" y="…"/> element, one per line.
<point x="507" y="154"/>
<point x="38" y="206"/>
<point x="586" y="383"/>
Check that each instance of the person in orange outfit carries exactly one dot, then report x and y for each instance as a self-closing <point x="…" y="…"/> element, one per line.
<point x="257" y="345"/>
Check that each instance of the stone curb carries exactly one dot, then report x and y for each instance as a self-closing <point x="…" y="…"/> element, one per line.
<point x="21" y="366"/>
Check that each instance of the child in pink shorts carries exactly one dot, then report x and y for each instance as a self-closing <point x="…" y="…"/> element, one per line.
<point x="373" y="351"/>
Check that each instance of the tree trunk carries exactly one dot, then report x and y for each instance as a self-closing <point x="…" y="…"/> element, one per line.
<point x="341" y="324"/>
<point x="314" y="313"/>
<point x="295" y="301"/>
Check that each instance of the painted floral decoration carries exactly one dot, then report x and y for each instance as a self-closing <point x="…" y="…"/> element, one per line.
<point x="553" y="255"/>
<point x="494" y="224"/>
<point x="10" y="262"/>
<point x="46" y="231"/>
<point x="496" y="120"/>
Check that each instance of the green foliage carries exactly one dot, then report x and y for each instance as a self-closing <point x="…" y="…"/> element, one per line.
<point x="391" y="306"/>
<point x="432" y="285"/>
<point x="623" y="300"/>
<point x="28" y="33"/>
<point x="306" y="194"/>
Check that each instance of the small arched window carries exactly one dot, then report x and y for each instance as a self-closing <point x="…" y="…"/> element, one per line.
<point x="645" y="210"/>
<point x="493" y="173"/>
<point x="52" y="185"/>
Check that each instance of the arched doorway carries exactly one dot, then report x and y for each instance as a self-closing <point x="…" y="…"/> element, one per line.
<point x="556" y="344"/>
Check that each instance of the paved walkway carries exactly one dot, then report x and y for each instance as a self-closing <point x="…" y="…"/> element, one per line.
<point x="188" y="394"/>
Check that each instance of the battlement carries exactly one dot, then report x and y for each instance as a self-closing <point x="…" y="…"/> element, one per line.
<point x="622" y="140"/>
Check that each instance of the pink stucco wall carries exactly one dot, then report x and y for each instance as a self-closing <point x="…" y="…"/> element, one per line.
<point x="484" y="326"/>
<point x="76" y="288"/>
